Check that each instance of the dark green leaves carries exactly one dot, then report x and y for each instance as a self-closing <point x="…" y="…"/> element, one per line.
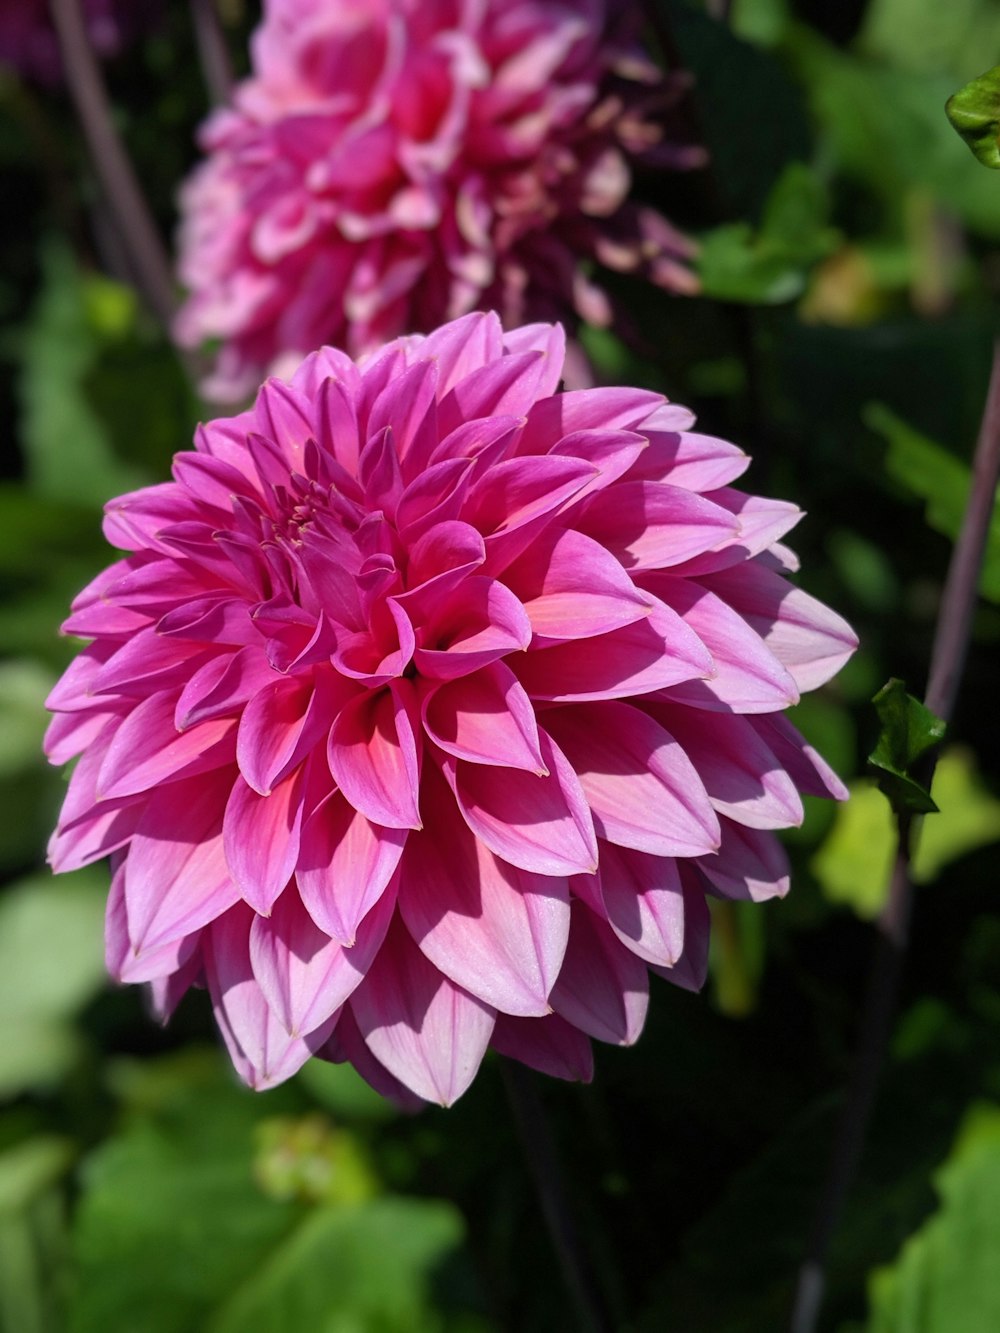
<point x="909" y="731"/>
<point x="974" y="111"/>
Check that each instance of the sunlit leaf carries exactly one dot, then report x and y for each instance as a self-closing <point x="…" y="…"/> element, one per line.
<point x="909" y="730"/>
<point x="974" y="111"/>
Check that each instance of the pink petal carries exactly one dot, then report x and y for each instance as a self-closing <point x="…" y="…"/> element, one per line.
<point x="810" y="772"/>
<point x="509" y="386"/>
<point x="345" y="864"/>
<point x="486" y="718"/>
<point x="261" y="838"/>
<point x="480" y="621"/>
<point x="655" y="652"/>
<point x="122" y="960"/>
<point x="749" y="864"/>
<point x="374" y="757"/>
<point x="572" y="588"/>
<point x="691" y="969"/>
<point x="747" y="677"/>
<point x="762" y="522"/>
<point x="551" y="419"/>
<point x="644" y="904"/>
<point x="176" y="876"/>
<point x="603" y="988"/>
<point x="539" y="823"/>
<point x="346" y="1044"/>
<point x="428" y="1032"/>
<point x="809" y="639"/>
<point x="281" y="724"/>
<point x="742" y="776"/>
<point x="497" y="931"/>
<point x="685" y="458"/>
<point x="148" y="750"/>
<point x="642" y="788"/>
<point x="262" y="1051"/>
<point x="223" y="686"/>
<point x="648" y="524"/>
<point x="549" y="1044"/>
<point x="306" y="976"/>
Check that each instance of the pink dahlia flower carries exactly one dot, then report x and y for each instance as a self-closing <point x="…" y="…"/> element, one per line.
<point x="427" y="705"/>
<point x="391" y="164"/>
<point x="28" y="40"/>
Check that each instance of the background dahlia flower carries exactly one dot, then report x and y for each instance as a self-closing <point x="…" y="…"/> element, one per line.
<point x="427" y="705"/>
<point x="28" y="40"/>
<point x="391" y="164"/>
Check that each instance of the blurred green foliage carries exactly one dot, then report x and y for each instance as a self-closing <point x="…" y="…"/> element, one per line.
<point x="850" y="265"/>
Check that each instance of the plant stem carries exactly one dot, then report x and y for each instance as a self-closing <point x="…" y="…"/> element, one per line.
<point x="540" y="1154"/>
<point x="948" y="654"/>
<point x="212" y="51"/>
<point x="145" y="249"/>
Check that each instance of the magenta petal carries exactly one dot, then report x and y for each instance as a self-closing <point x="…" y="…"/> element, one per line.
<point x="479" y="622"/>
<point x="747" y="677"/>
<point x="176" y="875"/>
<point x="223" y="686"/>
<point x="810" y="772"/>
<point x="685" y="458"/>
<point x="346" y="1044"/>
<point x="642" y="788"/>
<point x="691" y="969"/>
<point x="603" y="988"/>
<point x="262" y="1051"/>
<point x="612" y="409"/>
<point x="657" y="651"/>
<point x="167" y="992"/>
<point x="345" y="864"/>
<point x="644" y="904"/>
<point x="648" y="524"/>
<point x="305" y="975"/>
<point x="148" y="750"/>
<point x="486" y="718"/>
<point x="374" y="758"/>
<point x="428" y="1032"/>
<point x="742" y="775"/>
<point x="497" y="931"/>
<point x="541" y="823"/>
<point x="261" y="838"/>
<point x="750" y="863"/>
<point x="549" y="1044"/>
<point x="572" y="588"/>
<point x="809" y="639"/>
<point x="126" y="964"/>
<point x="278" y="727"/>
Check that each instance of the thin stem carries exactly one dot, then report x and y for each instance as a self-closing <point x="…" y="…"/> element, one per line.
<point x="212" y="50"/>
<point x="540" y="1154"/>
<point x="948" y="654"/>
<point x="145" y="249"/>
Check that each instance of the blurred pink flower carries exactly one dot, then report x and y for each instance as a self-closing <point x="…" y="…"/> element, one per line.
<point x="391" y="164"/>
<point x="28" y="40"/>
<point x="427" y="706"/>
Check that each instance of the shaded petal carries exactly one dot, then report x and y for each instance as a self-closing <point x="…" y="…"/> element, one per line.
<point x="345" y="865"/>
<point x="810" y="772"/>
<point x="306" y="976"/>
<point x="642" y="788"/>
<point x="480" y="621"/>
<point x="428" y="1032"/>
<point x="648" y="524"/>
<point x="485" y="718"/>
<point x="283" y="722"/>
<point x="749" y="864"/>
<point x="148" y="750"/>
<point x="603" y="988"/>
<point x="549" y="1044"/>
<point x="261" y="838"/>
<point x="346" y="1045"/>
<point x="123" y="962"/>
<point x="495" y="930"/>
<point x="541" y="823"/>
<point x="644" y="903"/>
<point x="374" y="757"/>
<point x="691" y="969"/>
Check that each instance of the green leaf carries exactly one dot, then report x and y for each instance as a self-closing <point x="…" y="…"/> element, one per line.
<point x="350" y="1269"/>
<point x="974" y="111"/>
<point x="771" y="265"/>
<point x="947" y="1279"/>
<point x="855" y="860"/>
<point x="51" y="964"/>
<point x="928" y="37"/>
<point x="30" y="1168"/>
<point x="909" y="730"/>
<point x="930" y="472"/>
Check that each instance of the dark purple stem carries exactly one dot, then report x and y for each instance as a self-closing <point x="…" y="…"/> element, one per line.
<point x="948" y="654"/>
<point x="147" y="256"/>
<point x="540" y="1155"/>
<point x="212" y="50"/>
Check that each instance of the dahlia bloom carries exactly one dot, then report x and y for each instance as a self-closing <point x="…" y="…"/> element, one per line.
<point x="391" y="164"/>
<point x="28" y="40"/>
<point x="428" y="704"/>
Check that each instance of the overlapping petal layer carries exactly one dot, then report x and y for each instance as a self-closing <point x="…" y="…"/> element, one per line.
<point x="419" y="720"/>
<point x="390" y="164"/>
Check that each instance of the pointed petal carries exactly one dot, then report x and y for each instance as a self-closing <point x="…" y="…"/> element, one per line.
<point x="148" y="750"/>
<point x="485" y="718"/>
<point x="260" y="835"/>
<point x="428" y="1032"/>
<point x="750" y="864"/>
<point x="282" y="723"/>
<point x="306" y="976"/>
<point x="685" y="458"/>
<point x="540" y="823"/>
<point x="497" y="931"/>
<point x="346" y="1044"/>
<point x="602" y="989"/>
<point x="480" y="621"/>
<point x="648" y="524"/>
<point x="691" y="969"/>
<point x="549" y="1044"/>
<point x="642" y="788"/>
<point x="261" y="1050"/>
<point x="810" y="772"/>
<point x="223" y="686"/>
<point x="374" y="757"/>
<point x="345" y="864"/>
